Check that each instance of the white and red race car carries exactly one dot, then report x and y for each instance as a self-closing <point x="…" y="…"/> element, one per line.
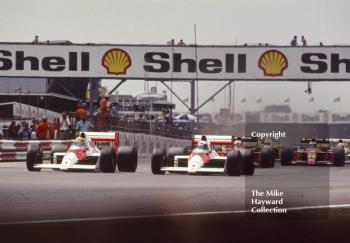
<point x="84" y="155"/>
<point x="211" y="154"/>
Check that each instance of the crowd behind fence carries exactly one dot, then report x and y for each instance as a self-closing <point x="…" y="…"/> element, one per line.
<point x="71" y="125"/>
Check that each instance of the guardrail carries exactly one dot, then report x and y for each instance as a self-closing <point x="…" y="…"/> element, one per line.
<point x="13" y="150"/>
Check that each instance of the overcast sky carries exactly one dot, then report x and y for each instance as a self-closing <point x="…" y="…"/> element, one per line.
<point x="218" y="22"/>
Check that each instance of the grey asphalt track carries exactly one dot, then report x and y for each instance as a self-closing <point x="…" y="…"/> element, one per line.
<point x="54" y="195"/>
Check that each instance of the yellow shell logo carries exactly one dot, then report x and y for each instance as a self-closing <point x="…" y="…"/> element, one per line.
<point x="273" y="63"/>
<point x="116" y="61"/>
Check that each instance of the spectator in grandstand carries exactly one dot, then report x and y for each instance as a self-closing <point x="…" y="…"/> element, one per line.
<point x="161" y="116"/>
<point x="138" y="113"/>
<point x="171" y="42"/>
<point x="18" y="126"/>
<point x="113" y="111"/>
<point x="71" y="131"/>
<point x="81" y="111"/>
<point x="43" y="129"/>
<point x="168" y="118"/>
<point x="33" y="128"/>
<point x="340" y="143"/>
<point x="36" y="40"/>
<point x="181" y="43"/>
<point x="113" y="114"/>
<point x="24" y="131"/>
<point x="64" y="126"/>
<point x="103" y="114"/>
<point x="303" y="41"/>
<point x="33" y="133"/>
<point x="294" y="41"/>
<point x="12" y="131"/>
<point x="83" y="125"/>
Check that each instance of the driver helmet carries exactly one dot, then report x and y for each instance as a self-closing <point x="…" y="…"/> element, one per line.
<point x="203" y="145"/>
<point x="313" y="143"/>
<point x="80" y="140"/>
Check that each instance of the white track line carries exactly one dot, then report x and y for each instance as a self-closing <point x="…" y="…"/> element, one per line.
<point x="162" y="215"/>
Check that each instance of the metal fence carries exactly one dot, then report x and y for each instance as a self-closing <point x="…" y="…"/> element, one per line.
<point x="131" y="125"/>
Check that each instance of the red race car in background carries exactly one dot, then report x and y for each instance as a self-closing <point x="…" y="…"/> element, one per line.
<point x="313" y="151"/>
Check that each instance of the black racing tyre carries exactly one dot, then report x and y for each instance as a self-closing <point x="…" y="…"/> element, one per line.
<point x="276" y="153"/>
<point x="233" y="163"/>
<point x="218" y="148"/>
<point x="248" y="161"/>
<point x="272" y="158"/>
<point x="107" y="160"/>
<point x="127" y="159"/>
<point x="286" y="156"/>
<point x="339" y="157"/>
<point x="34" y="156"/>
<point x="266" y="157"/>
<point x="57" y="148"/>
<point x="158" y="161"/>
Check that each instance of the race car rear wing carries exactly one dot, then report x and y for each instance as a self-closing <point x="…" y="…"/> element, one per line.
<point x="213" y="139"/>
<point x="321" y="143"/>
<point x="336" y="140"/>
<point x="111" y="137"/>
<point x="250" y="142"/>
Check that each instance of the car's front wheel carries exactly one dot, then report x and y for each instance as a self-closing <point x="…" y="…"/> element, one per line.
<point x="339" y="157"/>
<point x="34" y="156"/>
<point x="286" y="156"/>
<point x="127" y="159"/>
<point x="157" y="161"/>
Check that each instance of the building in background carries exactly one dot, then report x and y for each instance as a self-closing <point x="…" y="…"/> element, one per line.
<point x="55" y="94"/>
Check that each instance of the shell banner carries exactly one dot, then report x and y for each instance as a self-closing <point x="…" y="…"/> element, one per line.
<point x="159" y="62"/>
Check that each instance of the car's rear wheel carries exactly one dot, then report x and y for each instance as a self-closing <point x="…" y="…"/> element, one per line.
<point x="272" y="158"/>
<point x="157" y="161"/>
<point x="34" y="156"/>
<point x="286" y="156"/>
<point x="233" y="163"/>
<point x="107" y="160"/>
<point x="266" y="157"/>
<point x="248" y="161"/>
<point x="339" y="157"/>
<point x="127" y="159"/>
